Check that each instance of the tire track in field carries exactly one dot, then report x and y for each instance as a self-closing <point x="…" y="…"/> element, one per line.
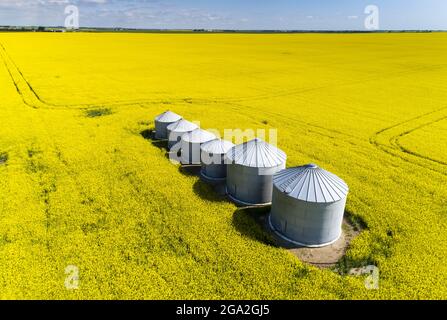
<point x="316" y="129"/>
<point x="297" y="91"/>
<point x="418" y="160"/>
<point x="32" y="99"/>
<point x="16" y="83"/>
<point x="41" y="163"/>
<point x="396" y="141"/>
<point x="320" y="130"/>
<point x="41" y="103"/>
<point x="36" y="166"/>
<point x="388" y="140"/>
<point x="23" y="87"/>
<point x="26" y="91"/>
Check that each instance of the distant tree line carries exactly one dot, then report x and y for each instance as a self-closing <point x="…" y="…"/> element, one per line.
<point x="92" y="29"/>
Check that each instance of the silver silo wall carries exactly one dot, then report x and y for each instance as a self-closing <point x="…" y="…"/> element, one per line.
<point x="174" y="137"/>
<point x="251" y="185"/>
<point x="161" y="131"/>
<point x="307" y="223"/>
<point x="213" y="166"/>
<point x="190" y="152"/>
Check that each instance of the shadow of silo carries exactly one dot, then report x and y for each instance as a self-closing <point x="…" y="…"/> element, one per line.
<point x="215" y="193"/>
<point x="250" y="222"/>
<point x="190" y="170"/>
<point x="149" y="134"/>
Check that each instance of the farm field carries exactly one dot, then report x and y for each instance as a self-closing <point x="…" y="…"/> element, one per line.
<point x="80" y="185"/>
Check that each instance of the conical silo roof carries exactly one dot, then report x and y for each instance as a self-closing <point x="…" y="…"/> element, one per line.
<point x="257" y="153"/>
<point x="198" y="136"/>
<point x="217" y="146"/>
<point x="311" y="183"/>
<point x="168" y="116"/>
<point x="182" y="126"/>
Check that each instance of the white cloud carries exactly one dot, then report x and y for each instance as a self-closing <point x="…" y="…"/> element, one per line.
<point x="95" y="1"/>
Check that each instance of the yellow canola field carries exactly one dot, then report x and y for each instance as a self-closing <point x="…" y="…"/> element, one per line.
<point x="91" y="192"/>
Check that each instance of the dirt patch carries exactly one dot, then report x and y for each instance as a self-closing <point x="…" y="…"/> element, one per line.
<point x="329" y="256"/>
<point x="93" y="113"/>
<point x="325" y="257"/>
<point x="3" y="158"/>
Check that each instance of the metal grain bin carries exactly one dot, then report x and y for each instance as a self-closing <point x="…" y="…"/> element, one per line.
<point x="213" y="153"/>
<point x="177" y="130"/>
<point x="308" y="206"/>
<point x="191" y="143"/>
<point x="250" y="171"/>
<point x="162" y="122"/>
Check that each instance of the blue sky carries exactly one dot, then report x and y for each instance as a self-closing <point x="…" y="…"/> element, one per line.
<point x="229" y="14"/>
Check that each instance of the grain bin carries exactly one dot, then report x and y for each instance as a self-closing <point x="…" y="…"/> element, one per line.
<point x="191" y="143"/>
<point x="308" y="206"/>
<point x="162" y="121"/>
<point x="177" y="130"/>
<point x="214" y="168"/>
<point x="250" y="171"/>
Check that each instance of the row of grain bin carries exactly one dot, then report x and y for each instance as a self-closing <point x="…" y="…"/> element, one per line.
<point x="307" y="202"/>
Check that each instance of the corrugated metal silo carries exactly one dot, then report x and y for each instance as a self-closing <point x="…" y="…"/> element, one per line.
<point x="213" y="153"/>
<point x="177" y="130"/>
<point x="308" y="206"/>
<point x="162" y="121"/>
<point x="191" y="143"/>
<point x="250" y="171"/>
